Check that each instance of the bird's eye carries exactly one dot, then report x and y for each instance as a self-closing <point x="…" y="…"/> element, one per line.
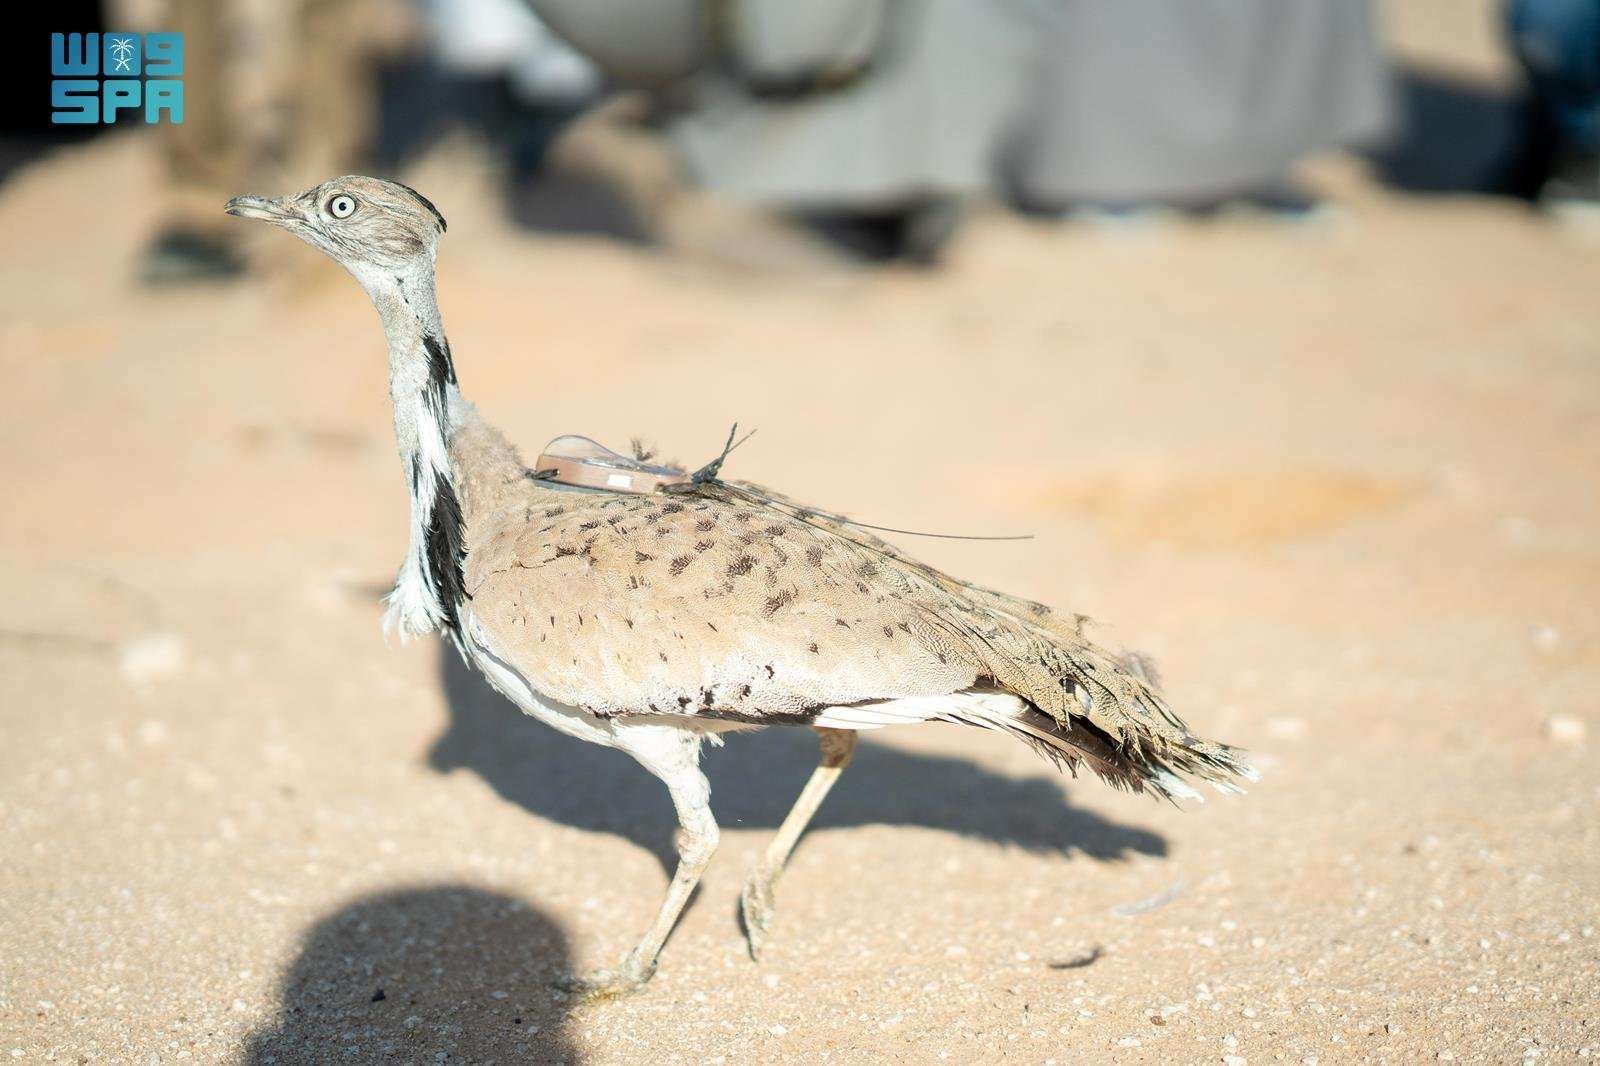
<point x="342" y="206"/>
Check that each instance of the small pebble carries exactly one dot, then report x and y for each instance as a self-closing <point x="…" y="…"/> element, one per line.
<point x="1546" y="638"/>
<point x="1286" y="728"/>
<point x="1565" y="729"/>
<point x="151" y="657"/>
<point x="1518" y="531"/>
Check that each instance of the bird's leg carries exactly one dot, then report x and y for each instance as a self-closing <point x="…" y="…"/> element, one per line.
<point x="696" y="841"/>
<point x="756" y="903"/>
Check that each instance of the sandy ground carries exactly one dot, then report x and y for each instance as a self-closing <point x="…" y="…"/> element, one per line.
<point x="1339" y="478"/>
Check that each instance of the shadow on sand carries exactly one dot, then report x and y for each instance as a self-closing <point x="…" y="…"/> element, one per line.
<point x="754" y="781"/>
<point x="405" y="975"/>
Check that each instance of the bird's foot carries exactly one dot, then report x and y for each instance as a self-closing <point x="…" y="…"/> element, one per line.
<point x="625" y="980"/>
<point x="757" y="907"/>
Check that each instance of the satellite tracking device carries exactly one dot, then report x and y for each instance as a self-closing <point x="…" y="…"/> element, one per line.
<point x="587" y="464"/>
<point x="579" y="461"/>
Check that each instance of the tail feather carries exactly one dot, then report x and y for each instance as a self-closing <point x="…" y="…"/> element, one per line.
<point x="1141" y="762"/>
<point x="1114" y="722"/>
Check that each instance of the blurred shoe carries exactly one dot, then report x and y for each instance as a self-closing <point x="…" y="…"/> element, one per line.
<point x="180" y="256"/>
<point x="1285" y="198"/>
<point x="867" y="237"/>
<point x="926" y="230"/>
<point x="917" y="233"/>
<point x="1573" y="184"/>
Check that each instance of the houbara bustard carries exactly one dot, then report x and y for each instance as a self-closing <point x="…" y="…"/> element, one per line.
<point x="654" y="622"/>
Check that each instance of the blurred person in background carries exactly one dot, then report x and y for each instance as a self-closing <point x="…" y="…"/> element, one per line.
<point x="882" y="114"/>
<point x="1558" y="44"/>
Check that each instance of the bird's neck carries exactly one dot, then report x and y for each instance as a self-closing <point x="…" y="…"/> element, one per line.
<point x="427" y="409"/>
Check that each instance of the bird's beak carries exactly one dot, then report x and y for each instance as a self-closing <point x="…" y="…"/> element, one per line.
<point x="258" y="207"/>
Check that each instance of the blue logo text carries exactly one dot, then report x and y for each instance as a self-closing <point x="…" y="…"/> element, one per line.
<point x="96" y="77"/>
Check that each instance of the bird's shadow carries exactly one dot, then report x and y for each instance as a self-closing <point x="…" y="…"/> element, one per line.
<point x="421" y="973"/>
<point x="756" y="779"/>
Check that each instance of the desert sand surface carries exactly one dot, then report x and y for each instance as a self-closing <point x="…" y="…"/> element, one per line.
<point x="1341" y="479"/>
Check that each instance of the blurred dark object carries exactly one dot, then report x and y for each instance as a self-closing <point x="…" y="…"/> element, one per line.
<point x="1558" y="44"/>
<point x="26" y="133"/>
<point x="1573" y="180"/>
<point x="916" y="233"/>
<point x="179" y="256"/>
<point x="1461" y="136"/>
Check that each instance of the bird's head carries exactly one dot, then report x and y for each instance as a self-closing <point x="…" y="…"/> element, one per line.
<point x="361" y="223"/>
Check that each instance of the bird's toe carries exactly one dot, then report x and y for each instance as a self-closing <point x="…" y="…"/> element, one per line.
<point x="606" y="984"/>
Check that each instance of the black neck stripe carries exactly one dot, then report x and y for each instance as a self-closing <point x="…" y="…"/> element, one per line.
<point x="441" y="372"/>
<point x="445" y="552"/>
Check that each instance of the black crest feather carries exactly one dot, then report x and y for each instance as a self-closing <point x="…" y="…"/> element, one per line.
<point x="425" y="202"/>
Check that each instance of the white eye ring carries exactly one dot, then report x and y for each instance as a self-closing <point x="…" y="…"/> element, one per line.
<point x="341" y="206"/>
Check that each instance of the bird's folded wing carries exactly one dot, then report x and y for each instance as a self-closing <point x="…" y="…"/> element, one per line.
<point x="627" y="604"/>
